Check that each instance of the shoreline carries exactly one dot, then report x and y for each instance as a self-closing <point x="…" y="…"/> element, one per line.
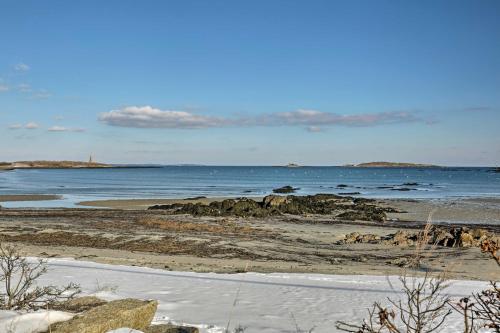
<point x="470" y="210"/>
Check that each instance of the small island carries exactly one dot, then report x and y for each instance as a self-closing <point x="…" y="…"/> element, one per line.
<point x="51" y="165"/>
<point x="393" y="165"/>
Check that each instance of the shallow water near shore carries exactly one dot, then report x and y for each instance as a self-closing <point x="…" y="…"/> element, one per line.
<point x="76" y="185"/>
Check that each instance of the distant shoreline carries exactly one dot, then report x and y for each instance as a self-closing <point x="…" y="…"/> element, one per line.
<point x="7" y="166"/>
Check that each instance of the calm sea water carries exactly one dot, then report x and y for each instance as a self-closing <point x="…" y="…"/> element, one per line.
<point x="220" y="181"/>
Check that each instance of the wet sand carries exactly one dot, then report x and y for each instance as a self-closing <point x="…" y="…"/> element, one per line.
<point x="28" y="197"/>
<point x="468" y="211"/>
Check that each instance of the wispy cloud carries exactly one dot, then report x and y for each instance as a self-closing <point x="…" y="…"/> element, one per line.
<point x="21" y="67"/>
<point x="24" y="87"/>
<point x="4" y="87"/>
<point x="31" y="125"/>
<point x="65" y="129"/>
<point x="313" y="120"/>
<point x="314" y="129"/>
<point x="41" y="94"/>
<point x="478" y="108"/>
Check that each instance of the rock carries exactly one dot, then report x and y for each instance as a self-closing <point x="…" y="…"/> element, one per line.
<point x="401" y="238"/>
<point x="352" y="238"/>
<point x="285" y="189"/>
<point x="79" y="304"/>
<point x="479" y="233"/>
<point x="274" y="201"/>
<point x="466" y="240"/>
<point x="410" y="184"/>
<point x="443" y="238"/>
<point x="342" y="186"/>
<point x="131" y="313"/>
<point x="369" y="238"/>
<point x="401" y="262"/>
<point x="167" y="328"/>
<point x="272" y="205"/>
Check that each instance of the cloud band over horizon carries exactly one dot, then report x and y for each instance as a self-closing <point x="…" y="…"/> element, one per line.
<point x="150" y="117"/>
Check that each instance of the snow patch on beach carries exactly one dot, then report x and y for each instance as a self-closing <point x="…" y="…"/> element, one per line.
<point x="259" y="302"/>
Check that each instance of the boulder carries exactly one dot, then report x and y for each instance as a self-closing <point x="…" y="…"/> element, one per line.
<point x="274" y="200"/>
<point x="466" y="240"/>
<point x="401" y="238"/>
<point x="78" y="304"/>
<point x="352" y="237"/>
<point x="285" y="189"/>
<point x="132" y="313"/>
<point x="369" y="238"/>
<point x="168" y="328"/>
<point x="443" y="238"/>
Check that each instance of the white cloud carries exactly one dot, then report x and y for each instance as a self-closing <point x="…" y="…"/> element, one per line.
<point x="4" y="87"/>
<point x="314" y="129"/>
<point x="41" y="94"/>
<point x="15" y="126"/>
<point x="65" y="129"/>
<point x="31" y="125"/>
<point x="21" y="67"/>
<point x="149" y="117"/>
<point x="23" y="87"/>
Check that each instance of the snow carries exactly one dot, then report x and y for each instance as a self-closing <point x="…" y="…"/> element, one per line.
<point x="36" y="322"/>
<point x="259" y="302"/>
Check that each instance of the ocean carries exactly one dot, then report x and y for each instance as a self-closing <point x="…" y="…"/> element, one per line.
<point x="76" y="185"/>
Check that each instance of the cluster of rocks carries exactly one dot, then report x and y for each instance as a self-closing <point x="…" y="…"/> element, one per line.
<point x="344" y="208"/>
<point x="94" y="315"/>
<point x="452" y="237"/>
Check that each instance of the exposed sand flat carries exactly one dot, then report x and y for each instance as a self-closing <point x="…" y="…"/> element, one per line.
<point x="145" y="203"/>
<point x="469" y="211"/>
<point x="28" y="197"/>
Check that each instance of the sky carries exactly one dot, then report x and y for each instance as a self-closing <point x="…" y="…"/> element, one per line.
<point x="251" y="82"/>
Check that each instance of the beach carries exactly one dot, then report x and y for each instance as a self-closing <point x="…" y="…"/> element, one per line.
<point x="124" y="232"/>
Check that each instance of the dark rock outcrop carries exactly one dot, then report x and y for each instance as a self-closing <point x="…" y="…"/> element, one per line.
<point x="285" y="190"/>
<point x="344" y="208"/>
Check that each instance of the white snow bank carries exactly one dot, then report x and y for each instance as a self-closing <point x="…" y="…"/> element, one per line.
<point x="36" y="322"/>
<point x="265" y="302"/>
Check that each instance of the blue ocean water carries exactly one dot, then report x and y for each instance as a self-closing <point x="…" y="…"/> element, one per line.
<point x="221" y="181"/>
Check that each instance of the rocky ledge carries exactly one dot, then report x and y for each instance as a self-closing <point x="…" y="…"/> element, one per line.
<point x="341" y="207"/>
<point x="438" y="236"/>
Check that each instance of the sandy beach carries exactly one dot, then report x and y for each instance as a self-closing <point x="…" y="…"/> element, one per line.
<point x="124" y="232"/>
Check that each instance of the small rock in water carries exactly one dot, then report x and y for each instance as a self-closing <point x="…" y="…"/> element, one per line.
<point x="285" y="189"/>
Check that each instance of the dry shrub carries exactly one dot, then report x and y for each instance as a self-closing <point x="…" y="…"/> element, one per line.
<point x="425" y="307"/>
<point x="481" y="310"/>
<point x="492" y="247"/>
<point x="422" y="309"/>
<point x="19" y="278"/>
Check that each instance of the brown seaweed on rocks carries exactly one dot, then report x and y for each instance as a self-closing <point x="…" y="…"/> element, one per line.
<point x="342" y="207"/>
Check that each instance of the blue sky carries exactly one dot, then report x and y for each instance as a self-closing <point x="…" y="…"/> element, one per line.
<point x="251" y="82"/>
